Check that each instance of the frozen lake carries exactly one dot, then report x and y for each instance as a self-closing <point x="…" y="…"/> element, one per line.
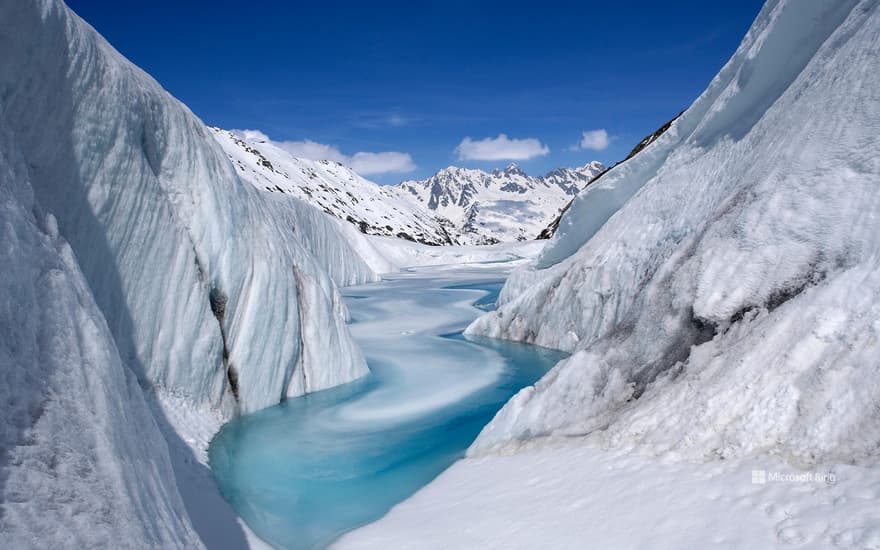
<point x="304" y="472"/>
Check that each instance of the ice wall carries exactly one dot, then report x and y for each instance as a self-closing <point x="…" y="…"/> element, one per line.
<point x="720" y="290"/>
<point x="83" y="462"/>
<point x="202" y="279"/>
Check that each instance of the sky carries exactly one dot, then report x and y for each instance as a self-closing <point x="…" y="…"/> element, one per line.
<point x="399" y="90"/>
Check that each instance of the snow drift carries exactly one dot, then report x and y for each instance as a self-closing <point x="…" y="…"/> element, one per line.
<point x="210" y="288"/>
<point x="721" y="289"/>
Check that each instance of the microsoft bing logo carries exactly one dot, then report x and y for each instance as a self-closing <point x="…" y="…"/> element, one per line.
<point x="759" y="476"/>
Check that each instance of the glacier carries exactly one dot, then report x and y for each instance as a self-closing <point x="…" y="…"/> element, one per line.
<point x="81" y="454"/>
<point x="720" y="291"/>
<point x="148" y="295"/>
<point x="720" y="294"/>
<point x="183" y="258"/>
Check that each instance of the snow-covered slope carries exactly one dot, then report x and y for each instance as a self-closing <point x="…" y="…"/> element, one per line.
<point x="721" y="290"/>
<point x="210" y="287"/>
<point x="577" y="496"/>
<point x="550" y="230"/>
<point x="333" y="188"/>
<point x="456" y="205"/>
<point x="82" y="458"/>
<point x="502" y="205"/>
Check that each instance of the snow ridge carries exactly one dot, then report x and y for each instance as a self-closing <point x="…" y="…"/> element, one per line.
<point x="720" y="289"/>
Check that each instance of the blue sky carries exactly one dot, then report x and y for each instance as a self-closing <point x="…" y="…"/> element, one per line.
<point x="438" y="83"/>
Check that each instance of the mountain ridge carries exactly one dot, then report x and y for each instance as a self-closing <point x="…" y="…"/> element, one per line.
<point x="505" y="204"/>
<point x="454" y="206"/>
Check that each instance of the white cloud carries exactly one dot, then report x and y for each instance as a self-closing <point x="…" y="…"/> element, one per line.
<point x="364" y="163"/>
<point x="382" y="163"/>
<point x="597" y="140"/>
<point x="500" y="148"/>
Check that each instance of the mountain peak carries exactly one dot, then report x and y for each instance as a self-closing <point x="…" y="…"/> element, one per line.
<point x="592" y="166"/>
<point x="511" y="169"/>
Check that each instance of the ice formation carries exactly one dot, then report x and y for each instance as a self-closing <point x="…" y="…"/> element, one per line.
<point x="209" y="287"/>
<point x="82" y="457"/>
<point x="137" y="267"/>
<point x="721" y="289"/>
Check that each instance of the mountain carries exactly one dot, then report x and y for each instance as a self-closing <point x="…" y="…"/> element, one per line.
<point x="333" y="188"/>
<point x="720" y="289"/>
<point x="502" y="205"/>
<point x="455" y="206"/>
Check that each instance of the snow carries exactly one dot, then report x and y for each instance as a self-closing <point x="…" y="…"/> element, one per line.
<point x="720" y="292"/>
<point x="331" y="187"/>
<point x="402" y="254"/>
<point x="729" y="307"/>
<point x="501" y="206"/>
<point x="456" y="205"/>
<point x="160" y="222"/>
<point x="189" y="430"/>
<point x="576" y="496"/>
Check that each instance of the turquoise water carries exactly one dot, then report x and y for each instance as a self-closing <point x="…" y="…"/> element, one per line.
<point x="304" y="472"/>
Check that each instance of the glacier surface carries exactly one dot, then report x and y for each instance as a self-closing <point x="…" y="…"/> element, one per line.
<point x="720" y="291"/>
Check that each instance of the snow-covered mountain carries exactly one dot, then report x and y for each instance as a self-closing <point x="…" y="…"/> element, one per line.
<point x="333" y="188"/>
<point x="455" y="206"/>
<point x="502" y="205"/>
<point x="720" y="290"/>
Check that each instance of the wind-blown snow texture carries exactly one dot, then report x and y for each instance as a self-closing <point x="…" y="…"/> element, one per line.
<point x="81" y="457"/>
<point x="209" y="287"/>
<point x="721" y="289"/>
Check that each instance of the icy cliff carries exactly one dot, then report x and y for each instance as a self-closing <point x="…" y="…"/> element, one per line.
<point x="209" y="287"/>
<point x="81" y="455"/>
<point x="721" y="289"/>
